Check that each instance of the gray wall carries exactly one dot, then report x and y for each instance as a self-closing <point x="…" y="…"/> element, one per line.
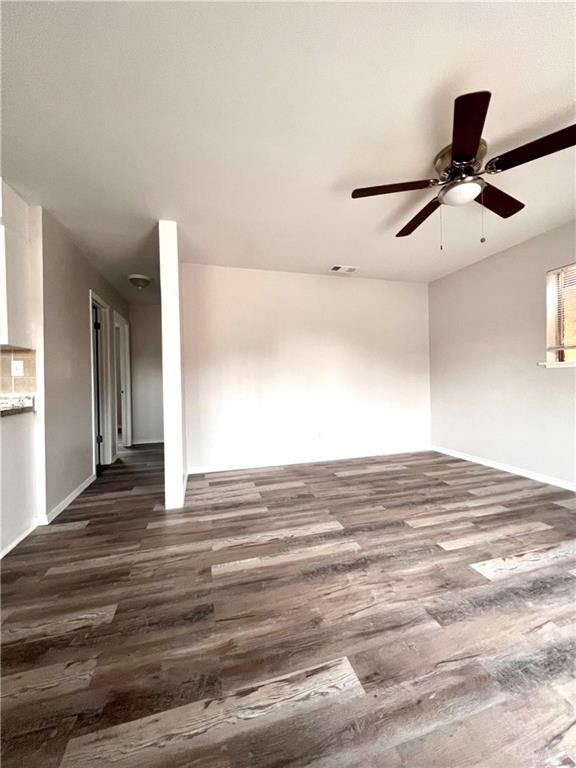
<point x="68" y="278"/>
<point x="487" y="332"/>
<point x="146" y="354"/>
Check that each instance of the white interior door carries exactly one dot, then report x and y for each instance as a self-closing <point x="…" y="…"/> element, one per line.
<point x="104" y="439"/>
<point x="124" y="373"/>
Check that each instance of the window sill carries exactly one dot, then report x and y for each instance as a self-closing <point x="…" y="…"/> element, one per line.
<point x="557" y="365"/>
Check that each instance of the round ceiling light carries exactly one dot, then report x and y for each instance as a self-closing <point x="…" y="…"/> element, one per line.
<point x="460" y="191"/>
<point x="139" y="281"/>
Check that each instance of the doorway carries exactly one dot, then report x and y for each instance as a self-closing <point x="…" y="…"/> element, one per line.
<point x="118" y="391"/>
<point x="97" y="386"/>
<point x="103" y="438"/>
<point x="111" y="383"/>
<point x="122" y="382"/>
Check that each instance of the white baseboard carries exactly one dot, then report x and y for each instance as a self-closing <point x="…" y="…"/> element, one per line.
<point x="17" y="540"/>
<point x="547" y="479"/>
<point x="238" y="466"/>
<point x="146" y="442"/>
<point x="70" y="498"/>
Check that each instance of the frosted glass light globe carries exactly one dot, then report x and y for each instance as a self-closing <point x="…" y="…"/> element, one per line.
<point x="460" y="193"/>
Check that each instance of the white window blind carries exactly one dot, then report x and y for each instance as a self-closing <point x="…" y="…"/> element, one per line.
<point x="561" y="310"/>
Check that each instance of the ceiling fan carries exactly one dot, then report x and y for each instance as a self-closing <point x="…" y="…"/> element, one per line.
<point x="458" y="165"/>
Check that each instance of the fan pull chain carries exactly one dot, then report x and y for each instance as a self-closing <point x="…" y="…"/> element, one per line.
<point x="441" y="231"/>
<point x="482" y="237"/>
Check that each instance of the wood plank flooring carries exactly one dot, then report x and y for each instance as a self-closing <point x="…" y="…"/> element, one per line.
<point x="408" y="611"/>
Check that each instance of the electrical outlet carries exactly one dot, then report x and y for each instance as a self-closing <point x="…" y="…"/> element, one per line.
<point x="17" y="367"/>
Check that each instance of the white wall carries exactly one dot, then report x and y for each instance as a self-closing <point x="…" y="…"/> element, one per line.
<point x="172" y="371"/>
<point x="21" y="270"/>
<point x="283" y="367"/>
<point x="22" y="459"/>
<point x="18" y="478"/>
<point x="146" y="356"/>
<point x="23" y="256"/>
<point x="488" y="331"/>
<point x="68" y="279"/>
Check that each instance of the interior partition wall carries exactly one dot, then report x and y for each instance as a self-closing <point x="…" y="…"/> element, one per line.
<point x="173" y="416"/>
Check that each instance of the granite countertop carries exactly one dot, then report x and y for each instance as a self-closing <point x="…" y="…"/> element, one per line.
<point x="13" y="404"/>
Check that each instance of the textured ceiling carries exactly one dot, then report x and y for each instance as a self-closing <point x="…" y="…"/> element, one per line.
<point x="250" y="124"/>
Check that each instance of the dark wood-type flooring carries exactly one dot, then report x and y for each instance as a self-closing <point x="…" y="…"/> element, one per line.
<point x="408" y="611"/>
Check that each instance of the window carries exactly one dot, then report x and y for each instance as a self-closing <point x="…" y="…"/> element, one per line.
<point x="561" y="309"/>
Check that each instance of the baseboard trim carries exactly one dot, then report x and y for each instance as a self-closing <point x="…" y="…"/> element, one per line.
<point x="547" y="479"/>
<point x="17" y="540"/>
<point x="69" y="499"/>
<point x="145" y="442"/>
<point x="236" y="467"/>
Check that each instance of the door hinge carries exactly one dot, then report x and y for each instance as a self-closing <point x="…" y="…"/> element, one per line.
<point x="99" y="439"/>
<point x="96" y="325"/>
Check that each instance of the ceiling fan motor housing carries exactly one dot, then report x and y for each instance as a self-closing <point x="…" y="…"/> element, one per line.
<point x="461" y="185"/>
<point x="445" y="168"/>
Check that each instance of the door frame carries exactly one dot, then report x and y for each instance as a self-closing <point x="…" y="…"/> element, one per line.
<point x="123" y="326"/>
<point x="106" y="411"/>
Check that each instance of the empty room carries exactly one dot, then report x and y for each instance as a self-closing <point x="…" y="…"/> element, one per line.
<point x="288" y="385"/>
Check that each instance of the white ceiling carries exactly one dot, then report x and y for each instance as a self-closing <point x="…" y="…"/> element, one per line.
<point x="250" y="124"/>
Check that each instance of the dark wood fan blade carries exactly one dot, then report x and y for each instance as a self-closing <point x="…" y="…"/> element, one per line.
<point x="421" y="216"/>
<point x="386" y="189"/>
<point x="469" y="115"/>
<point x="547" y="145"/>
<point x="499" y="202"/>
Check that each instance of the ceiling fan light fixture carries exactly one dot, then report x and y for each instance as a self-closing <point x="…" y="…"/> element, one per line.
<point x="460" y="191"/>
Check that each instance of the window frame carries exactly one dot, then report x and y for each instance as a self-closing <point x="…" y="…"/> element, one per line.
<point x="556" y="346"/>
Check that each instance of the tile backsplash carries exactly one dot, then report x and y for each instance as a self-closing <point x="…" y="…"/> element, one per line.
<point x="16" y="385"/>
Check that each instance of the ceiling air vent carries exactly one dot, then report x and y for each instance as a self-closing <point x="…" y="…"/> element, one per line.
<point x="343" y="269"/>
